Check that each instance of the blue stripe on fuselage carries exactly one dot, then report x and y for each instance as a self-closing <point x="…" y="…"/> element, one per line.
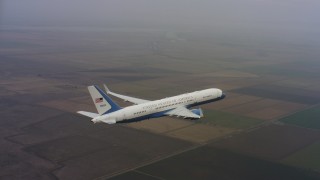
<point x="153" y="115"/>
<point x="162" y="113"/>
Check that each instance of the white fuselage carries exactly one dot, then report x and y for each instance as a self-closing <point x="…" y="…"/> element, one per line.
<point x="152" y="108"/>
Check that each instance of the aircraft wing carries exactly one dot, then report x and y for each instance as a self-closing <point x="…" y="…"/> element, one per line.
<point x="88" y="114"/>
<point x="126" y="98"/>
<point x="182" y="112"/>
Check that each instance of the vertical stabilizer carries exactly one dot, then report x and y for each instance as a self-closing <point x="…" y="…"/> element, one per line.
<point x="102" y="102"/>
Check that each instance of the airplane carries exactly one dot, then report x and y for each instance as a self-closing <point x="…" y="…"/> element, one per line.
<point x="178" y="106"/>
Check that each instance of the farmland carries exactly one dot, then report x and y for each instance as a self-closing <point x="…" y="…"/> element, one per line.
<point x="267" y="122"/>
<point x="309" y="118"/>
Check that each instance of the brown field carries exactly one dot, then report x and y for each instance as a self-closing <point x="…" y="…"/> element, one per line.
<point x="126" y="148"/>
<point x="279" y="92"/>
<point x="266" y="109"/>
<point x="236" y="83"/>
<point x="252" y="106"/>
<point x="272" y="142"/>
<point x="67" y="138"/>
<point x="54" y="127"/>
<point x="212" y="163"/>
<point x="132" y="89"/>
<point x="22" y="115"/>
<point x="5" y="92"/>
<point x="232" y="99"/>
<point x="308" y="84"/>
<point x="269" y="113"/>
<point x="30" y="85"/>
<point x="70" y="106"/>
<point x="277" y="111"/>
<point x="62" y="149"/>
<point x="307" y="157"/>
<point x="100" y="163"/>
<point x="230" y="74"/>
<point x="161" y="125"/>
<point x="200" y="133"/>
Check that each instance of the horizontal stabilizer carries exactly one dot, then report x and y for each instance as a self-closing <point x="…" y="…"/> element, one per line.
<point x="88" y="114"/>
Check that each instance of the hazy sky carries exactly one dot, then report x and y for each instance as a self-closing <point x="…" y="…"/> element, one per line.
<point x="162" y="12"/>
<point x="295" y="17"/>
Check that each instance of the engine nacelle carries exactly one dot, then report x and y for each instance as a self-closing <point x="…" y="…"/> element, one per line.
<point x="197" y="112"/>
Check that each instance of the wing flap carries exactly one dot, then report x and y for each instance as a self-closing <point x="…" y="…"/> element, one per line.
<point x="182" y="112"/>
<point x="126" y="98"/>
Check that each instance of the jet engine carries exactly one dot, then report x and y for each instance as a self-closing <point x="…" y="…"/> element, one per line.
<point x="197" y="112"/>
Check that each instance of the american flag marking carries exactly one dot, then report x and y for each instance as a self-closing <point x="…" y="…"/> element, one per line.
<point x="99" y="100"/>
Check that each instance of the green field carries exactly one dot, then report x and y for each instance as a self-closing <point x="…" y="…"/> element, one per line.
<point x="229" y="120"/>
<point x="213" y="163"/>
<point x="309" y="118"/>
<point x="308" y="157"/>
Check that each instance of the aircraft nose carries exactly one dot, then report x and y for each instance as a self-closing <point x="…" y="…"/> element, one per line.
<point x="221" y="95"/>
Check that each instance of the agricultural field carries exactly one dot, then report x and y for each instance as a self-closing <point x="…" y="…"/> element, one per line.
<point x="212" y="163"/>
<point x="229" y="120"/>
<point x="307" y="157"/>
<point x="266" y="123"/>
<point x="282" y="93"/>
<point x="261" y="142"/>
<point x="309" y="118"/>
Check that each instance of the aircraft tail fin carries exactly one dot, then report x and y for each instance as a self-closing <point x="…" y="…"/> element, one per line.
<point x="103" y="103"/>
